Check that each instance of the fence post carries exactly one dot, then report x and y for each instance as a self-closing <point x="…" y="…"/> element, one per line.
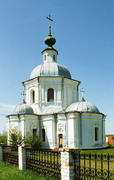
<point x="22" y="157"/>
<point x="1" y="153"/>
<point x="68" y="162"/>
<point x="67" y="165"/>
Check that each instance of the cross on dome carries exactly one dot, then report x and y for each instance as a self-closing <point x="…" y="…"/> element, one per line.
<point x="49" y="21"/>
<point x="82" y="94"/>
<point x="23" y="94"/>
<point x="49" y="40"/>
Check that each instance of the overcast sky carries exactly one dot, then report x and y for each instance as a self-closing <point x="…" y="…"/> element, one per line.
<point x="84" y="30"/>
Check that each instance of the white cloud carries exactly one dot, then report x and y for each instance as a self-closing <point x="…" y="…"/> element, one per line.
<point x="6" y="108"/>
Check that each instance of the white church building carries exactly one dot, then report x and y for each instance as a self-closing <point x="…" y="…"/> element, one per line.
<point x="52" y="108"/>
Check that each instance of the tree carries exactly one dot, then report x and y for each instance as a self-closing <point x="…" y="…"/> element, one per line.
<point x="3" y="138"/>
<point x="33" y="140"/>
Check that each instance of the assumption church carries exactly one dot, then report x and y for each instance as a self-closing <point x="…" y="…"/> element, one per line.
<point x="52" y="109"/>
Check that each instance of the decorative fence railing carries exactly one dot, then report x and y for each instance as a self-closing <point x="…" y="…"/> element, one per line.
<point x="64" y="165"/>
<point x="44" y="162"/>
<point x="94" y="166"/>
<point x="10" y="154"/>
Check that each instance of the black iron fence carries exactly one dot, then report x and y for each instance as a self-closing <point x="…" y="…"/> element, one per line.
<point x="44" y="162"/>
<point x="94" y="166"/>
<point x="86" y="166"/>
<point x="10" y="154"/>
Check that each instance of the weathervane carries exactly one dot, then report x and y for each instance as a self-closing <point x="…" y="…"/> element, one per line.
<point x="49" y="21"/>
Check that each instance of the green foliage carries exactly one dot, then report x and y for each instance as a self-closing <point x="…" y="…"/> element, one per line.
<point x="15" y="137"/>
<point x="11" y="172"/>
<point x="3" y="138"/>
<point x="33" y="140"/>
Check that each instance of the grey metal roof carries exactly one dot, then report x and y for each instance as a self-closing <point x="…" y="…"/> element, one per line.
<point x="23" y="109"/>
<point x="50" y="69"/>
<point x="82" y="106"/>
<point x="51" y="110"/>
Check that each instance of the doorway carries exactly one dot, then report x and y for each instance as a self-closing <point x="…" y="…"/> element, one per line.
<point x="60" y="141"/>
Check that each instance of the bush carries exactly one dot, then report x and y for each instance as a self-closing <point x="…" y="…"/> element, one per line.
<point x="33" y="141"/>
<point x="15" y="137"/>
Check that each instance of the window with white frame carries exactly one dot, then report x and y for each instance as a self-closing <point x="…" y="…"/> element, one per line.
<point x="32" y="96"/>
<point x="50" y="95"/>
<point x="96" y="133"/>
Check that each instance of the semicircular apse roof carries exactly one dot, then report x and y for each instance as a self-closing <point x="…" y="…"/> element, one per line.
<point x="82" y="106"/>
<point x="23" y="109"/>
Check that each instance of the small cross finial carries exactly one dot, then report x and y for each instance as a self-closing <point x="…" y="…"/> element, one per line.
<point x="49" y="18"/>
<point x="49" y="21"/>
<point x="23" y="94"/>
<point x="82" y="93"/>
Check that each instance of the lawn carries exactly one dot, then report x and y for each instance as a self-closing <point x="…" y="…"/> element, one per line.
<point x="107" y="150"/>
<point x="11" y="172"/>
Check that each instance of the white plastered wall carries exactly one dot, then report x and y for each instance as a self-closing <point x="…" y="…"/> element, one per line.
<point x="65" y="92"/>
<point x="90" y="121"/>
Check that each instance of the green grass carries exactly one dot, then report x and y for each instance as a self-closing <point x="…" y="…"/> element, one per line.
<point x="100" y="151"/>
<point x="13" y="173"/>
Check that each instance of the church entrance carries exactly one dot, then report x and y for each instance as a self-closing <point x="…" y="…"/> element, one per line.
<point x="60" y="140"/>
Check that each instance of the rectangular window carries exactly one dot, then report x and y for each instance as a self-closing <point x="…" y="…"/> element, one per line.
<point x="43" y="135"/>
<point x="96" y="133"/>
<point x="54" y="57"/>
<point x="44" y="57"/>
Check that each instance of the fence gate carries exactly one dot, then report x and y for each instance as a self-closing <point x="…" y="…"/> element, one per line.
<point x="93" y="166"/>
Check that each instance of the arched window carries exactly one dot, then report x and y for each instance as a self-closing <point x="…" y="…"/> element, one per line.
<point x="50" y="95"/>
<point x="33" y="96"/>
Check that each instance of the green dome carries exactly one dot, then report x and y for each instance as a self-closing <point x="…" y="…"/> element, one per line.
<point x="50" y="41"/>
